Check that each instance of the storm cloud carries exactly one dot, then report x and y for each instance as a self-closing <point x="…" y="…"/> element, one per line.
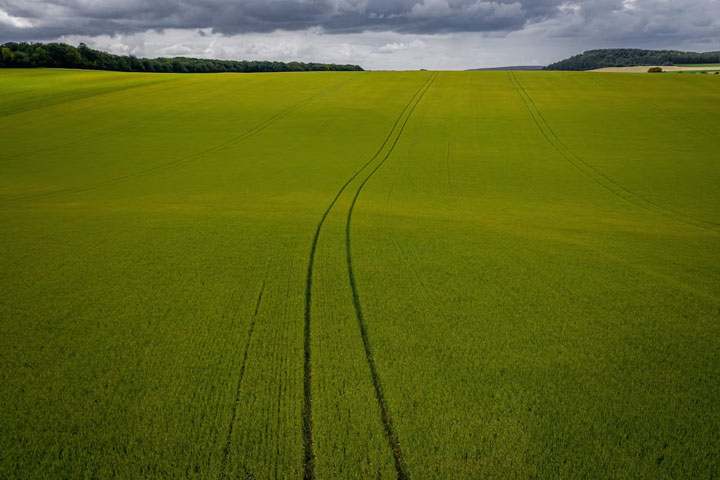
<point x="68" y="17"/>
<point x="366" y="27"/>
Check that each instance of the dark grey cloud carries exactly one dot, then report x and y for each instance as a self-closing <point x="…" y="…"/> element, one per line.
<point x="53" y="18"/>
<point x="67" y="17"/>
<point x="653" y="23"/>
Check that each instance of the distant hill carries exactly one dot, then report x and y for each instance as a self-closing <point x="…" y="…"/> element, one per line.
<point x="517" y="68"/>
<point x="631" y="57"/>
<point x="61" y="55"/>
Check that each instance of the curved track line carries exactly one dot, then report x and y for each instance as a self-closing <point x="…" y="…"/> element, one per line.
<point x="596" y="175"/>
<point x="214" y="149"/>
<point x="390" y="432"/>
<point x="309" y="452"/>
<point x="228" y="440"/>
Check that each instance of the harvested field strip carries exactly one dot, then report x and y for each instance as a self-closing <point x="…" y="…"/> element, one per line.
<point x="309" y="455"/>
<point x="393" y="440"/>
<point x="594" y="174"/>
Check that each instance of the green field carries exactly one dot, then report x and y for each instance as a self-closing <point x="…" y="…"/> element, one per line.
<point x="359" y="275"/>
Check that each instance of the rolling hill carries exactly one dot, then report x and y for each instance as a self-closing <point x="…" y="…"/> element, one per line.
<point x="359" y="275"/>
<point x="630" y="57"/>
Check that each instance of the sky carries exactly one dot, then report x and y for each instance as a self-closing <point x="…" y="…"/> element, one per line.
<point x="376" y="34"/>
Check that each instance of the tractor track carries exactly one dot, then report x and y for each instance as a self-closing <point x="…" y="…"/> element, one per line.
<point x="386" y="418"/>
<point x="596" y="175"/>
<point x="309" y="451"/>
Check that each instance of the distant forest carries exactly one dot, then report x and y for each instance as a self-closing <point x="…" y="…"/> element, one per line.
<point x="61" y="55"/>
<point x="631" y="57"/>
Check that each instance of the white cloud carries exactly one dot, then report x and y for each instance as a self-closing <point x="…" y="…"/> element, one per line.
<point x="398" y="46"/>
<point x="17" y="22"/>
<point x="372" y="50"/>
<point x="629" y="4"/>
<point x="177" y="50"/>
<point x="431" y="8"/>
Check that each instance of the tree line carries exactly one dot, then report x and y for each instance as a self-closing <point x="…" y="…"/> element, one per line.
<point x="62" y="55"/>
<point x="631" y="57"/>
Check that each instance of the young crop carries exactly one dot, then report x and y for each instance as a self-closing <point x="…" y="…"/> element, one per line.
<point x="359" y="275"/>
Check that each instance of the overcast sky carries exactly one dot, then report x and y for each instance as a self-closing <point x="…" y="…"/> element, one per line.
<point x="377" y="34"/>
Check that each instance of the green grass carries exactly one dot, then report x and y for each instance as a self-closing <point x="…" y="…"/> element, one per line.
<point x="356" y="275"/>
